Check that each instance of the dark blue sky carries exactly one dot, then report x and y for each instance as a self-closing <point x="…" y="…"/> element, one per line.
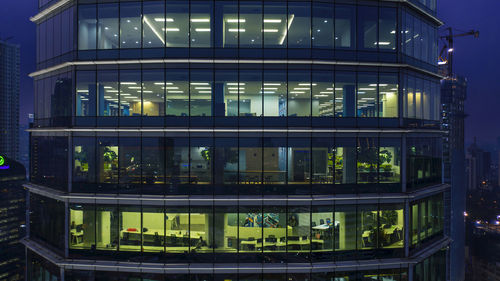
<point x="476" y="59"/>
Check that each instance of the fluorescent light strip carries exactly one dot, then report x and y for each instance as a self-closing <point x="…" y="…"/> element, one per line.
<point x="204" y="92"/>
<point x="236" y="30"/>
<point x="111" y="91"/>
<point x="200" y="20"/>
<point x="272" y="20"/>
<point x="307" y="84"/>
<point x="161" y="83"/>
<point x="203" y="88"/>
<point x="175" y="92"/>
<point x="235" y="20"/>
<point x="366" y="89"/>
<point x="130" y="97"/>
<point x="235" y="84"/>
<point x="134" y="88"/>
<point x="297" y="92"/>
<point x="171" y="29"/>
<point x="202" y="29"/>
<point x="199" y="83"/>
<point x="267" y="30"/>
<point x="171" y="88"/>
<point x="272" y="84"/>
<point x="108" y="87"/>
<point x="301" y="88"/>
<point x="128" y="83"/>
<point x="124" y="94"/>
<point x="163" y="19"/>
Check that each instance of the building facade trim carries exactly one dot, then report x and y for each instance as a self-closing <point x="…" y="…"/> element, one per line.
<point x="230" y="267"/>
<point x="160" y="200"/>
<point x="229" y="61"/>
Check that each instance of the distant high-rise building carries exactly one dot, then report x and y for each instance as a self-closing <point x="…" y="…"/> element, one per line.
<point x="453" y="95"/>
<point x="237" y="140"/>
<point x="478" y="166"/>
<point x="12" y="219"/>
<point x="9" y="99"/>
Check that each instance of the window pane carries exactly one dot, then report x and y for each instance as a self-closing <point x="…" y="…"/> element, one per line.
<point x="387" y="29"/>
<point x="177" y="161"/>
<point x="322" y="86"/>
<point x="345" y="160"/>
<point x="153" y="162"/>
<point x="367" y="27"/>
<point x="226" y="229"/>
<point x="201" y="24"/>
<point x="299" y="25"/>
<point x="107" y="228"/>
<point x="86" y="28"/>
<point x="345" y="234"/>
<point x="226" y="161"/>
<point x="251" y="93"/>
<point x="153" y="24"/>
<point x="298" y="229"/>
<point x="345" y="26"/>
<point x="177" y="24"/>
<point x="130" y="228"/>
<point x="200" y="228"/>
<point x="130" y="25"/>
<point x="82" y="227"/>
<point x="108" y="26"/>
<point x="367" y="95"/>
<point x="322" y="31"/>
<point x="177" y="231"/>
<point x="153" y="229"/>
<point x="299" y="93"/>
<point x="227" y="12"/>
<point x="130" y="164"/>
<point x="250" y="160"/>
<point x="250" y="228"/>
<point x="390" y="160"/>
<point x="201" y="155"/>
<point x="249" y="26"/>
<point x="345" y="96"/>
<point x="84" y="160"/>
<point x="322" y="228"/>
<point x="299" y="164"/>
<point x="107" y="84"/>
<point x="323" y="161"/>
<point x="107" y="157"/>
<point x="85" y="93"/>
<point x="388" y="95"/>
<point x="275" y="228"/>
<point x="227" y="89"/>
<point x="274" y="90"/>
<point x="201" y="92"/>
<point x="275" y="160"/>
<point x="177" y="92"/>
<point x="367" y="160"/>
<point x="153" y="92"/>
<point x="391" y="226"/>
<point x="130" y="93"/>
<point x="274" y="25"/>
<point x="368" y="230"/>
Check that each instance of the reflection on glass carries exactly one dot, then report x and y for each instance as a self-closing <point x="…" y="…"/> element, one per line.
<point x="176" y="24"/>
<point x="299" y="25"/>
<point x="387" y="29"/>
<point x="200" y="91"/>
<point x="345" y="26"/>
<point x="274" y="90"/>
<point x="84" y="160"/>
<point x="323" y="28"/>
<point x="248" y="26"/>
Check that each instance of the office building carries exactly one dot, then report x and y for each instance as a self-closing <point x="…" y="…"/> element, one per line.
<point x="478" y="168"/>
<point x="453" y="95"/>
<point x="226" y="140"/>
<point x="12" y="219"/>
<point x="9" y="99"/>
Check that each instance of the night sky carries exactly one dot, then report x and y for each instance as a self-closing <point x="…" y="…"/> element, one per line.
<point x="476" y="59"/>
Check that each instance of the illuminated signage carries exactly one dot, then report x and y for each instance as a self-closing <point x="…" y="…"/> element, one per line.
<point x="3" y="165"/>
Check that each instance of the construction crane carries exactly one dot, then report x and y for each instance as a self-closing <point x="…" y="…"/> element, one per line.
<point x="448" y="47"/>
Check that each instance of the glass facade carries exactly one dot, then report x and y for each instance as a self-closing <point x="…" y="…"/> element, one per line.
<point x="236" y="140"/>
<point x="254" y="232"/>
